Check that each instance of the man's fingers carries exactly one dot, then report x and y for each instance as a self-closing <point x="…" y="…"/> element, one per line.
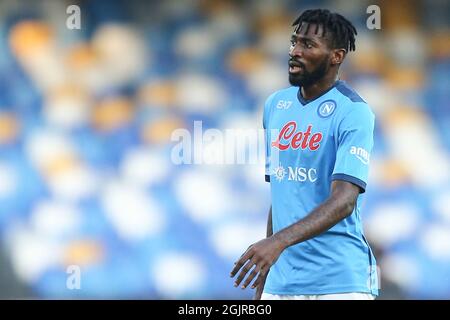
<point x="238" y="264"/>
<point x="243" y="272"/>
<point x="250" y="277"/>
<point x="258" y="293"/>
<point x="245" y="251"/>
<point x="259" y="282"/>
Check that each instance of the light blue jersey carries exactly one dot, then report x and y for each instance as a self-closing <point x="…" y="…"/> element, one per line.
<point x="308" y="145"/>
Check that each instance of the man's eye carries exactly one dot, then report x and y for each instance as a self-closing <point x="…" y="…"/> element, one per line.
<point x="308" y="45"/>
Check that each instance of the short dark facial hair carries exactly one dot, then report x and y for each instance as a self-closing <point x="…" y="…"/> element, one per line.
<point x="308" y="78"/>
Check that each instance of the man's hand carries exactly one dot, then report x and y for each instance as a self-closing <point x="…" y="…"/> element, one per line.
<point x="260" y="255"/>
<point x="260" y="289"/>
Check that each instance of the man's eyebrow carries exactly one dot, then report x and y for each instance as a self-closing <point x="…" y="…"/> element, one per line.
<point x="302" y="38"/>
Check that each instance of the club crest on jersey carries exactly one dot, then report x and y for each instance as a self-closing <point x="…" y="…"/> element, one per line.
<point x="326" y="108"/>
<point x="290" y="138"/>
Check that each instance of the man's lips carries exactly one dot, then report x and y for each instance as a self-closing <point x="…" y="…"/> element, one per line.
<point x="295" y="66"/>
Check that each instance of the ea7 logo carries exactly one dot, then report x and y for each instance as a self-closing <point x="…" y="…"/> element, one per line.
<point x="284" y="104"/>
<point x="361" y="154"/>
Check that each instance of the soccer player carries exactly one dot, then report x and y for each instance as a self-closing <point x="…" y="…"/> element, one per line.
<point x="319" y="135"/>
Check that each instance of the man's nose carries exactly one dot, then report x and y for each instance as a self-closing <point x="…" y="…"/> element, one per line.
<point x="296" y="51"/>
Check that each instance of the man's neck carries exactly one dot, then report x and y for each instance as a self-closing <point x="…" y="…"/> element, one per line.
<point x="319" y="87"/>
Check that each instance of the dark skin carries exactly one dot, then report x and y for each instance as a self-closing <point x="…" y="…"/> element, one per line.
<point x="269" y="233"/>
<point x="263" y="254"/>
<point x="312" y="49"/>
<point x="312" y="52"/>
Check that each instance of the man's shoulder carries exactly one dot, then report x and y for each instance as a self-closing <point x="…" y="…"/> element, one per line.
<point x="352" y="102"/>
<point x="345" y="90"/>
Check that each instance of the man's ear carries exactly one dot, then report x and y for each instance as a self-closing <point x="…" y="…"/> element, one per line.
<point x="338" y="56"/>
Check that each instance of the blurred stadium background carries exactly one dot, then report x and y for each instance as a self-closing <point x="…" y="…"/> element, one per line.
<point x="86" y="118"/>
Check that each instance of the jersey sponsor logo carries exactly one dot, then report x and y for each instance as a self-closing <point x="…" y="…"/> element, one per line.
<point x="283" y="104"/>
<point x="326" y="108"/>
<point x="361" y="154"/>
<point x="279" y="173"/>
<point x="289" y="138"/>
<point x="299" y="174"/>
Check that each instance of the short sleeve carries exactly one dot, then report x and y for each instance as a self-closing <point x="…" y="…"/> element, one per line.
<point x="354" y="146"/>
<point x="266" y="119"/>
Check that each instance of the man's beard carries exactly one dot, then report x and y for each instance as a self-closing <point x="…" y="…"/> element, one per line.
<point x="308" y="78"/>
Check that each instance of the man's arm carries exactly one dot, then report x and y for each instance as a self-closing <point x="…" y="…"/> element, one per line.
<point x="269" y="233"/>
<point x="265" y="253"/>
<point x="337" y="207"/>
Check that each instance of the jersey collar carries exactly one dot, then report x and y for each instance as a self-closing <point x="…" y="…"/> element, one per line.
<point x="303" y="101"/>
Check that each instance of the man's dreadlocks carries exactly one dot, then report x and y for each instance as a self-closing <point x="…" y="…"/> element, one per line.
<point x="343" y="32"/>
